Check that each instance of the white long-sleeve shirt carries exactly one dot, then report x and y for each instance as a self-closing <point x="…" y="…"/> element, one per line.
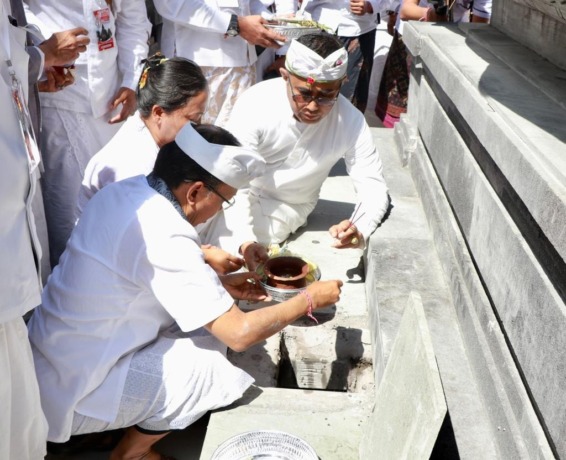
<point x="300" y="156"/>
<point x="199" y="29"/>
<point x="99" y="73"/>
<point x="20" y="281"/>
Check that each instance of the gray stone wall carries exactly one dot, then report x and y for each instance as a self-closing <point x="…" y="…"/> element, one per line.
<point x="486" y="148"/>
<point x="538" y="24"/>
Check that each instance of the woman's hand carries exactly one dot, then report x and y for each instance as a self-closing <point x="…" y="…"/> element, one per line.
<point x="254" y="254"/>
<point x="221" y="261"/>
<point x="244" y="286"/>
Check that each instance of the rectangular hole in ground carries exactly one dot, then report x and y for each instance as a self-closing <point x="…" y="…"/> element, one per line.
<point x="340" y="375"/>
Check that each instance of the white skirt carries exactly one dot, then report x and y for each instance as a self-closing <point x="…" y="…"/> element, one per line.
<point x="225" y="84"/>
<point x="68" y="141"/>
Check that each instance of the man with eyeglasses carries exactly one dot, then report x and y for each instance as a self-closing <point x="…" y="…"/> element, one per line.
<point x="133" y="326"/>
<point x="302" y="126"/>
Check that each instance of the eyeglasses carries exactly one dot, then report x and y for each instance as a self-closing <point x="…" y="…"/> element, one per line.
<point x="226" y="203"/>
<point x="302" y="98"/>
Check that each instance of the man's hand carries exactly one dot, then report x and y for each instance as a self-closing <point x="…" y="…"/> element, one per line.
<point x="57" y="79"/>
<point x="346" y="235"/>
<point x="221" y="261"/>
<point x="244" y="286"/>
<point x="252" y="30"/>
<point x="63" y="48"/>
<point x="325" y="293"/>
<point x="360" y="7"/>
<point x="126" y="97"/>
<point x="254" y="254"/>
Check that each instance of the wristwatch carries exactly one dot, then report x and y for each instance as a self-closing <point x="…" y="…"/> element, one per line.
<point x="233" y="27"/>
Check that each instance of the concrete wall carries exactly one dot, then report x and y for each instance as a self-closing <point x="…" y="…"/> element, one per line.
<point x="486" y="149"/>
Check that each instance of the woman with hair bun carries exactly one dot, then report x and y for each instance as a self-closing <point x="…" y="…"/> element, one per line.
<point x="170" y="93"/>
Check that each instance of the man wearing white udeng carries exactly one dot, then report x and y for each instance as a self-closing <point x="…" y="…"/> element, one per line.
<point x="302" y="126"/>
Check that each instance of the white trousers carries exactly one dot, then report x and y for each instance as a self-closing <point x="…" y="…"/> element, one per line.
<point x="172" y="383"/>
<point x="23" y="429"/>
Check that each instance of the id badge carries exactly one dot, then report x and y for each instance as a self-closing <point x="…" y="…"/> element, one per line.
<point x="24" y="123"/>
<point x="104" y="32"/>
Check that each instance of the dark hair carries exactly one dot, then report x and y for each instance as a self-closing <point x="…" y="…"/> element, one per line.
<point x="168" y="83"/>
<point x="324" y="44"/>
<point x="174" y="166"/>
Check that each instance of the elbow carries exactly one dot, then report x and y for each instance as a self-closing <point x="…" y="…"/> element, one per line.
<point x="241" y="338"/>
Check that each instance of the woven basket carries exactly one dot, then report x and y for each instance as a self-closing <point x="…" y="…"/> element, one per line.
<point x="264" y="445"/>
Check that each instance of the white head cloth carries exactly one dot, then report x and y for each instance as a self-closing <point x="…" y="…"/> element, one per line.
<point x="235" y="166"/>
<point x="304" y="62"/>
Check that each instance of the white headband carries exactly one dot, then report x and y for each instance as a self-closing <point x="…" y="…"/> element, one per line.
<point x="235" y="166"/>
<point x="304" y="62"/>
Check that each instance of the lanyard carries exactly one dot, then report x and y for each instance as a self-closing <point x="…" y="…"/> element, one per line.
<point x="18" y="98"/>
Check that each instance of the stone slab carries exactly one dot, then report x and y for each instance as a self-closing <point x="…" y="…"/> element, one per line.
<point x="330" y="422"/>
<point x="537" y="24"/>
<point x="410" y="406"/>
<point x="402" y="257"/>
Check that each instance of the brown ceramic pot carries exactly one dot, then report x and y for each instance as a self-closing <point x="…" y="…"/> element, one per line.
<point x="286" y="272"/>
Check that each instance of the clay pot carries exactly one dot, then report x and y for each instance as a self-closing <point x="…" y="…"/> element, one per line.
<point x="286" y="272"/>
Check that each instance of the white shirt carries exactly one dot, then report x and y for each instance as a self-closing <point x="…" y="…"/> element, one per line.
<point x="20" y="283"/>
<point x="99" y="73"/>
<point x="132" y="267"/>
<point x="336" y="15"/>
<point x="200" y="27"/>
<point x="131" y="152"/>
<point x="300" y="156"/>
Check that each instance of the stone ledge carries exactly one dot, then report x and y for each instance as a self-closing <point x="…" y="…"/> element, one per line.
<point x="330" y="422"/>
<point x="401" y="258"/>
<point x="518" y="124"/>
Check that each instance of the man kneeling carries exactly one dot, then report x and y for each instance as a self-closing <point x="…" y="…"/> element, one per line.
<point x="133" y="326"/>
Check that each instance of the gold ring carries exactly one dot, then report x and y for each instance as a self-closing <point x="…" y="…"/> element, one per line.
<point x="354" y="240"/>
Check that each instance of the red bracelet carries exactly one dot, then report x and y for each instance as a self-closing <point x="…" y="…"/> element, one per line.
<point x="309" y="306"/>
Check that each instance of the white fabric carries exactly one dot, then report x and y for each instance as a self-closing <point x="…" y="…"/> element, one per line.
<point x="132" y="267"/>
<point x="336" y="15"/>
<point x="299" y="158"/>
<point x="19" y="278"/>
<point x="225" y="85"/>
<point x="98" y="73"/>
<point x="235" y="166"/>
<point x="304" y="62"/>
<point x="131" y="152"/>
<point x="172" y="383"/>
<point x="69" y="140"/>
<point x="200" y="27"/>
<point x="23" y="428"/>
